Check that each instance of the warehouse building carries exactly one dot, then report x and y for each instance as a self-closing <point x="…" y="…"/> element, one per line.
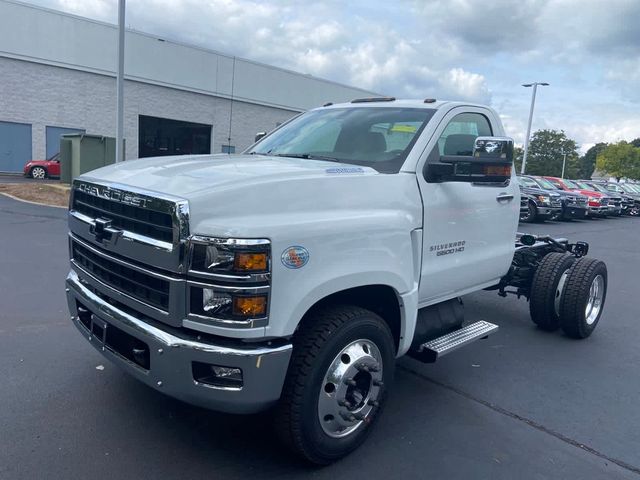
<point x="57" y="76"/>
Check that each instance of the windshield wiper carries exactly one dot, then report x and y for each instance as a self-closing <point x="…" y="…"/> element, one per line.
<point x="307" y="156"/>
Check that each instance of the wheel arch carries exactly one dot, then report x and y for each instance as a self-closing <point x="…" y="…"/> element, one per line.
<point x="381" y="299"/>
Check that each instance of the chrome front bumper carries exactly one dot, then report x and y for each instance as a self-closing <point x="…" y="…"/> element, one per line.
<point x="172" y="352"/>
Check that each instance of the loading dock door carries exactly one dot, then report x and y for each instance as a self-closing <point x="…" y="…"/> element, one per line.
<point x="162" y="136"/>
<point x="53" y="138"/>
<point x="15" y="146"/>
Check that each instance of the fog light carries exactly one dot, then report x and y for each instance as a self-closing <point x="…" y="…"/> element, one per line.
<point x="250" y="306"/>
<point x="217" y="375"/>
<point x="214" y="301"/>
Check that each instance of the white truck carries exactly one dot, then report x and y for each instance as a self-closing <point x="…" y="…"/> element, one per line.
<point x="292" y="276"/>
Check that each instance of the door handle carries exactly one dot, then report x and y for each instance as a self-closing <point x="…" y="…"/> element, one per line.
<point x="504" y="197"/>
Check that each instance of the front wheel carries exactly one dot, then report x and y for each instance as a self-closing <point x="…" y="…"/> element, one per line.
<point x="530" y="215"/>
<point x="342" y="364"/>
<point x="38" y="173"/>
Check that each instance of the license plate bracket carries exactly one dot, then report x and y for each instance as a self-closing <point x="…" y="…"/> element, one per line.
<point x="98" y="332"/>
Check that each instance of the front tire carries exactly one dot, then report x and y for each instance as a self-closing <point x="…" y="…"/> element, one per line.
<point x="583" y="299"/>
<point x="38" y="173"/>
<point x="342" y="364"/>
<point x="531" y="215"/>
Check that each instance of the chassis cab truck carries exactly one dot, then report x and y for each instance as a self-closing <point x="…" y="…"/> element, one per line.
<point x="292" y="276"/>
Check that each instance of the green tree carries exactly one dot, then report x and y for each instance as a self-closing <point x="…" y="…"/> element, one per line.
<point x="545" y="154"/>
<point x="587" y="162"/>
<point x="518" y="153"/>
<point x="636" y="142"/>
<point x="620" y="160"/>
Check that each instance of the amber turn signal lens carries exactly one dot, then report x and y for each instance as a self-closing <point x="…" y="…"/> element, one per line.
<point x="250" y="306"/>
<point x="250" y="261"/>
<point x="497" y="170"/>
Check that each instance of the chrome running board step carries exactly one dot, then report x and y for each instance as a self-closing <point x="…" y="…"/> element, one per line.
<point x="430" y="351"/>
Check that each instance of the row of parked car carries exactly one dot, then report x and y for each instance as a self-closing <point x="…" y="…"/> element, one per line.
<point x="552" y="198"/>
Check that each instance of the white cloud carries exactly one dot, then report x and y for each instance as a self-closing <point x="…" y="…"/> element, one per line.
<point x="457" y="49"/>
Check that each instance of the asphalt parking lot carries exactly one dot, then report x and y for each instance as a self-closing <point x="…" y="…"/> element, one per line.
<point x="522" y="404"/>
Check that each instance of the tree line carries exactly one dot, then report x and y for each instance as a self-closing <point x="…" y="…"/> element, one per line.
<point x="547" y="149"/>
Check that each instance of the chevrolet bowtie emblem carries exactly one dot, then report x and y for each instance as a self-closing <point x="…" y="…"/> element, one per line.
<point x="102" y="229"/>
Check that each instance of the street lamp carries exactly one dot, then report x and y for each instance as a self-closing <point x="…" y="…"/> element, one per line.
<point x="564" y="160"/>
<point x="533" y="101"/>
<point x="120" y="85"/>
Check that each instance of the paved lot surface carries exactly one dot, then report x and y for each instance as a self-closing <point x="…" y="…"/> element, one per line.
<point x="522" y="404"/>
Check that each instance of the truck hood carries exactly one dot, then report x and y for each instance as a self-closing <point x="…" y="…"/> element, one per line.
<point x="249" y="195"/>
<point x="189" y="176"/>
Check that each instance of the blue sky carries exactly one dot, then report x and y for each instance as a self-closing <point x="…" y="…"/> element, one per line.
<point x="480" y="50"/>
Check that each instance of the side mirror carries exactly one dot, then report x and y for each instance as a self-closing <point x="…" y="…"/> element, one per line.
<point x="260" y="135"/>
<point x="491" y="161"/>
<point x="498" y="149"/>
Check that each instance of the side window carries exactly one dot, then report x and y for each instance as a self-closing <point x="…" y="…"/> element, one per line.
<point x="461" y="132"/>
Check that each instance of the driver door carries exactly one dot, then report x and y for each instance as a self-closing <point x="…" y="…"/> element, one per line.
<point x="468" y="229"/>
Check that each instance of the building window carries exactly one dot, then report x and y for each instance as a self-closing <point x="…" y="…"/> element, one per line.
<point x="228" y="149"/>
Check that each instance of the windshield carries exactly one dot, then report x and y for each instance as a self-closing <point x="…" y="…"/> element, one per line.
<point x="546" y="184"/>
<point x="599" y="188"/>
<point x="584" y="186"/>
<point x="380" y="138"/>
<point x="528" y="182"/>
<point x="630" y="188"/>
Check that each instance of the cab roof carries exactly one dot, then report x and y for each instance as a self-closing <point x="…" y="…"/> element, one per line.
<point x="391" y="102"/>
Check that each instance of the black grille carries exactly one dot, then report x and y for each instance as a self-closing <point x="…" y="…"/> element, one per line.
<point x="604" y="202"/>
<point x="146" y="288"/>
<point x="134" y="219"/>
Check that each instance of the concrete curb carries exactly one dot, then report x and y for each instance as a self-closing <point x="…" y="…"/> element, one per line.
<point x="29" y="201"/>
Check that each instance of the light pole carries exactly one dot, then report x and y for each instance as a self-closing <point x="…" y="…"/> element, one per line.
<point x="119" y="85"/>
<point x="533" y="101"/>
<point x="564" y="160"/>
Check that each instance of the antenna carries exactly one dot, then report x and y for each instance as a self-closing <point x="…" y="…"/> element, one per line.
<point x="233" y="81"/>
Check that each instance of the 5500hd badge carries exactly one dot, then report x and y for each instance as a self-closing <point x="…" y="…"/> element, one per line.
<point x="448" y="248"/>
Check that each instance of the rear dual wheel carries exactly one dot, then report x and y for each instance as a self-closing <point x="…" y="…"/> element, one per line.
<point x="568" y="293"/>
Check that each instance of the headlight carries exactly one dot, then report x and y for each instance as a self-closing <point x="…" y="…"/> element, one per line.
<point x="544" y="198"/>
<point x="229" y="281"/>
<point x="230" y="256"/>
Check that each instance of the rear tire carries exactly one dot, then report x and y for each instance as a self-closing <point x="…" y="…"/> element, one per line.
<point x="546" y="289"/>
<point x="333" y="343"/>
<point x="583" y="299"/>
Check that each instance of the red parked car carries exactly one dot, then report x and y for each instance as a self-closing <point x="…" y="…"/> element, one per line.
<point x="598" y="202"/>
<point x="43" y="168"/>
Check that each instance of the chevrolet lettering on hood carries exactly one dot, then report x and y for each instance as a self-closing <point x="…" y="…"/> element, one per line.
<point x="113" y="194"/>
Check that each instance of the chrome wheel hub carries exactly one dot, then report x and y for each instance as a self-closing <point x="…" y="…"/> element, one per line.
<point x="351" y="388"/>
<point x="37" y="173"/>
<point x="594" y="302"/>
<point x="559" y="292"/>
